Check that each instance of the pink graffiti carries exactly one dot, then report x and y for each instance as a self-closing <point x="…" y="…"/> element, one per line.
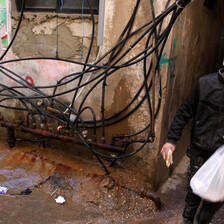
<point x="53" y="70"/>
<point x="30" y="80"/>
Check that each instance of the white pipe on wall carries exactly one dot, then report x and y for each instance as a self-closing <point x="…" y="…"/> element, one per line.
<point x="101" y="23"/>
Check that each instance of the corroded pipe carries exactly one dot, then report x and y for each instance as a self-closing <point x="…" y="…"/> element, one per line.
<point x="65" y="138"/>
<point x="11" y="137"/>
<point x="153" y="196"/>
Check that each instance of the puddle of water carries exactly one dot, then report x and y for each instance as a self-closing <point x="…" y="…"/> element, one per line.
<point x="18" y="178"/>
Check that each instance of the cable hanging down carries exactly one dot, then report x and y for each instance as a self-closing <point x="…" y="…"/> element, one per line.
<point x="70" y="115"/>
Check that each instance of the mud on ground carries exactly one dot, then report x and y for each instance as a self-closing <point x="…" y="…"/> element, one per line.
<point x="91" y="196"/>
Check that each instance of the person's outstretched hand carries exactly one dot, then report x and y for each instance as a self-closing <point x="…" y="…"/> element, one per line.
<point x="165" y="149"/>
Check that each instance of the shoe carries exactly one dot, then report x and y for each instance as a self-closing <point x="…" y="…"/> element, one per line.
<point x="186" y="221"/>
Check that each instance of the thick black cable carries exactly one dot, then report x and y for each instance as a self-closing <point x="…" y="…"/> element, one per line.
<point x="22" y="101"/>
<point x="115" y="68"/>
<point x="128" y="28"/>
<point x="33" y="89"/>
<point x="86" y="61"/>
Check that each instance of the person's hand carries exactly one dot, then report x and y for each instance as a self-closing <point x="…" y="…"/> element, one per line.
<point x="165" y="149"/>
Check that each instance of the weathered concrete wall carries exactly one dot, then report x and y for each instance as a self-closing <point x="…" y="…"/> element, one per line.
<point x="43" y="35"/>
<point x="124" y="84"/>
<point x="189" y="48"/>
<point x="49" y="34"/>
<point x="197" y="49"/>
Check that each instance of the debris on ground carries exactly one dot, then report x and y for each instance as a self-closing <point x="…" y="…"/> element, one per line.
<point x="3" y="190"/>
<point x="60" y="200"/>
<point x="91" y="196"/>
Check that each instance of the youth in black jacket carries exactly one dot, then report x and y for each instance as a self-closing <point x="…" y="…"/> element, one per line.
<point x="205" y="104"/>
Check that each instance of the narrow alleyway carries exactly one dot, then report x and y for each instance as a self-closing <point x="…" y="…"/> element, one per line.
<point x="90" y="199"/>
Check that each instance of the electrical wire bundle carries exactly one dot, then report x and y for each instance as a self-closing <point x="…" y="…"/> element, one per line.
<point x="105" y="67"/>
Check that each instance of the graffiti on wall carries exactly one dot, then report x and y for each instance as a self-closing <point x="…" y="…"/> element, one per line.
<point x="171" y="62"/>
<point x="3" y="25"/>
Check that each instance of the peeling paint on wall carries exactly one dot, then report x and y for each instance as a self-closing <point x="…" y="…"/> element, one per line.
<point x="54" y="35"/>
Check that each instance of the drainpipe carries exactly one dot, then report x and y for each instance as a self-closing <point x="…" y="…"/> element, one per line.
<point x="101" y="23"/>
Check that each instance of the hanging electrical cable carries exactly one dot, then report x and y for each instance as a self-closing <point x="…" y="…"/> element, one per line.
<point x="155" y="39"/>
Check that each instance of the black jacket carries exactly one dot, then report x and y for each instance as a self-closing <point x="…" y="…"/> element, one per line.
<point x="205" y="104"/>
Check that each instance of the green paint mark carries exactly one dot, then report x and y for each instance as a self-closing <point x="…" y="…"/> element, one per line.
<point x="3" y="16"/>
<point x="164" y="60"/>
<point x="3" y="24"/>
<point x="172" y="68"/>
<point x="3" y="4"/>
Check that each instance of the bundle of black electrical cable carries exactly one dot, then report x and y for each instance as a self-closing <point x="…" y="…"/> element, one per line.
<point x="101" y="74"/>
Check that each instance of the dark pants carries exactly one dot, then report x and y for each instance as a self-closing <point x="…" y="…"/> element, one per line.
<point x="192" y="201"/>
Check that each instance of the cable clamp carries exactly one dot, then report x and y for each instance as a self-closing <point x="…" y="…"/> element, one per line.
<point x="81" y="55"/>
<point x="130" y="47"/>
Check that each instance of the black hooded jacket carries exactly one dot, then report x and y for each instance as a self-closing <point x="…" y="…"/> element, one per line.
<point x="205" y="104"/>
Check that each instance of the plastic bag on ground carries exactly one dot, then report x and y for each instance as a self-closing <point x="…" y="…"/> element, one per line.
<point x="208" y="182"/>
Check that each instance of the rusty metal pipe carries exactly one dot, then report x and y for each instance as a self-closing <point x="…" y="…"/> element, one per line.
<point x="153" y="196"/>
<point x="64" y="138"/>
<point x="11" y="137"/>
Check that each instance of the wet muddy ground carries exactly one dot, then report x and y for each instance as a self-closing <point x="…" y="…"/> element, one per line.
<point x="91" y="197"/>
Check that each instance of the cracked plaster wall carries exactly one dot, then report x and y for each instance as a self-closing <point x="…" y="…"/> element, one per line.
<point x="43" y="35"/>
